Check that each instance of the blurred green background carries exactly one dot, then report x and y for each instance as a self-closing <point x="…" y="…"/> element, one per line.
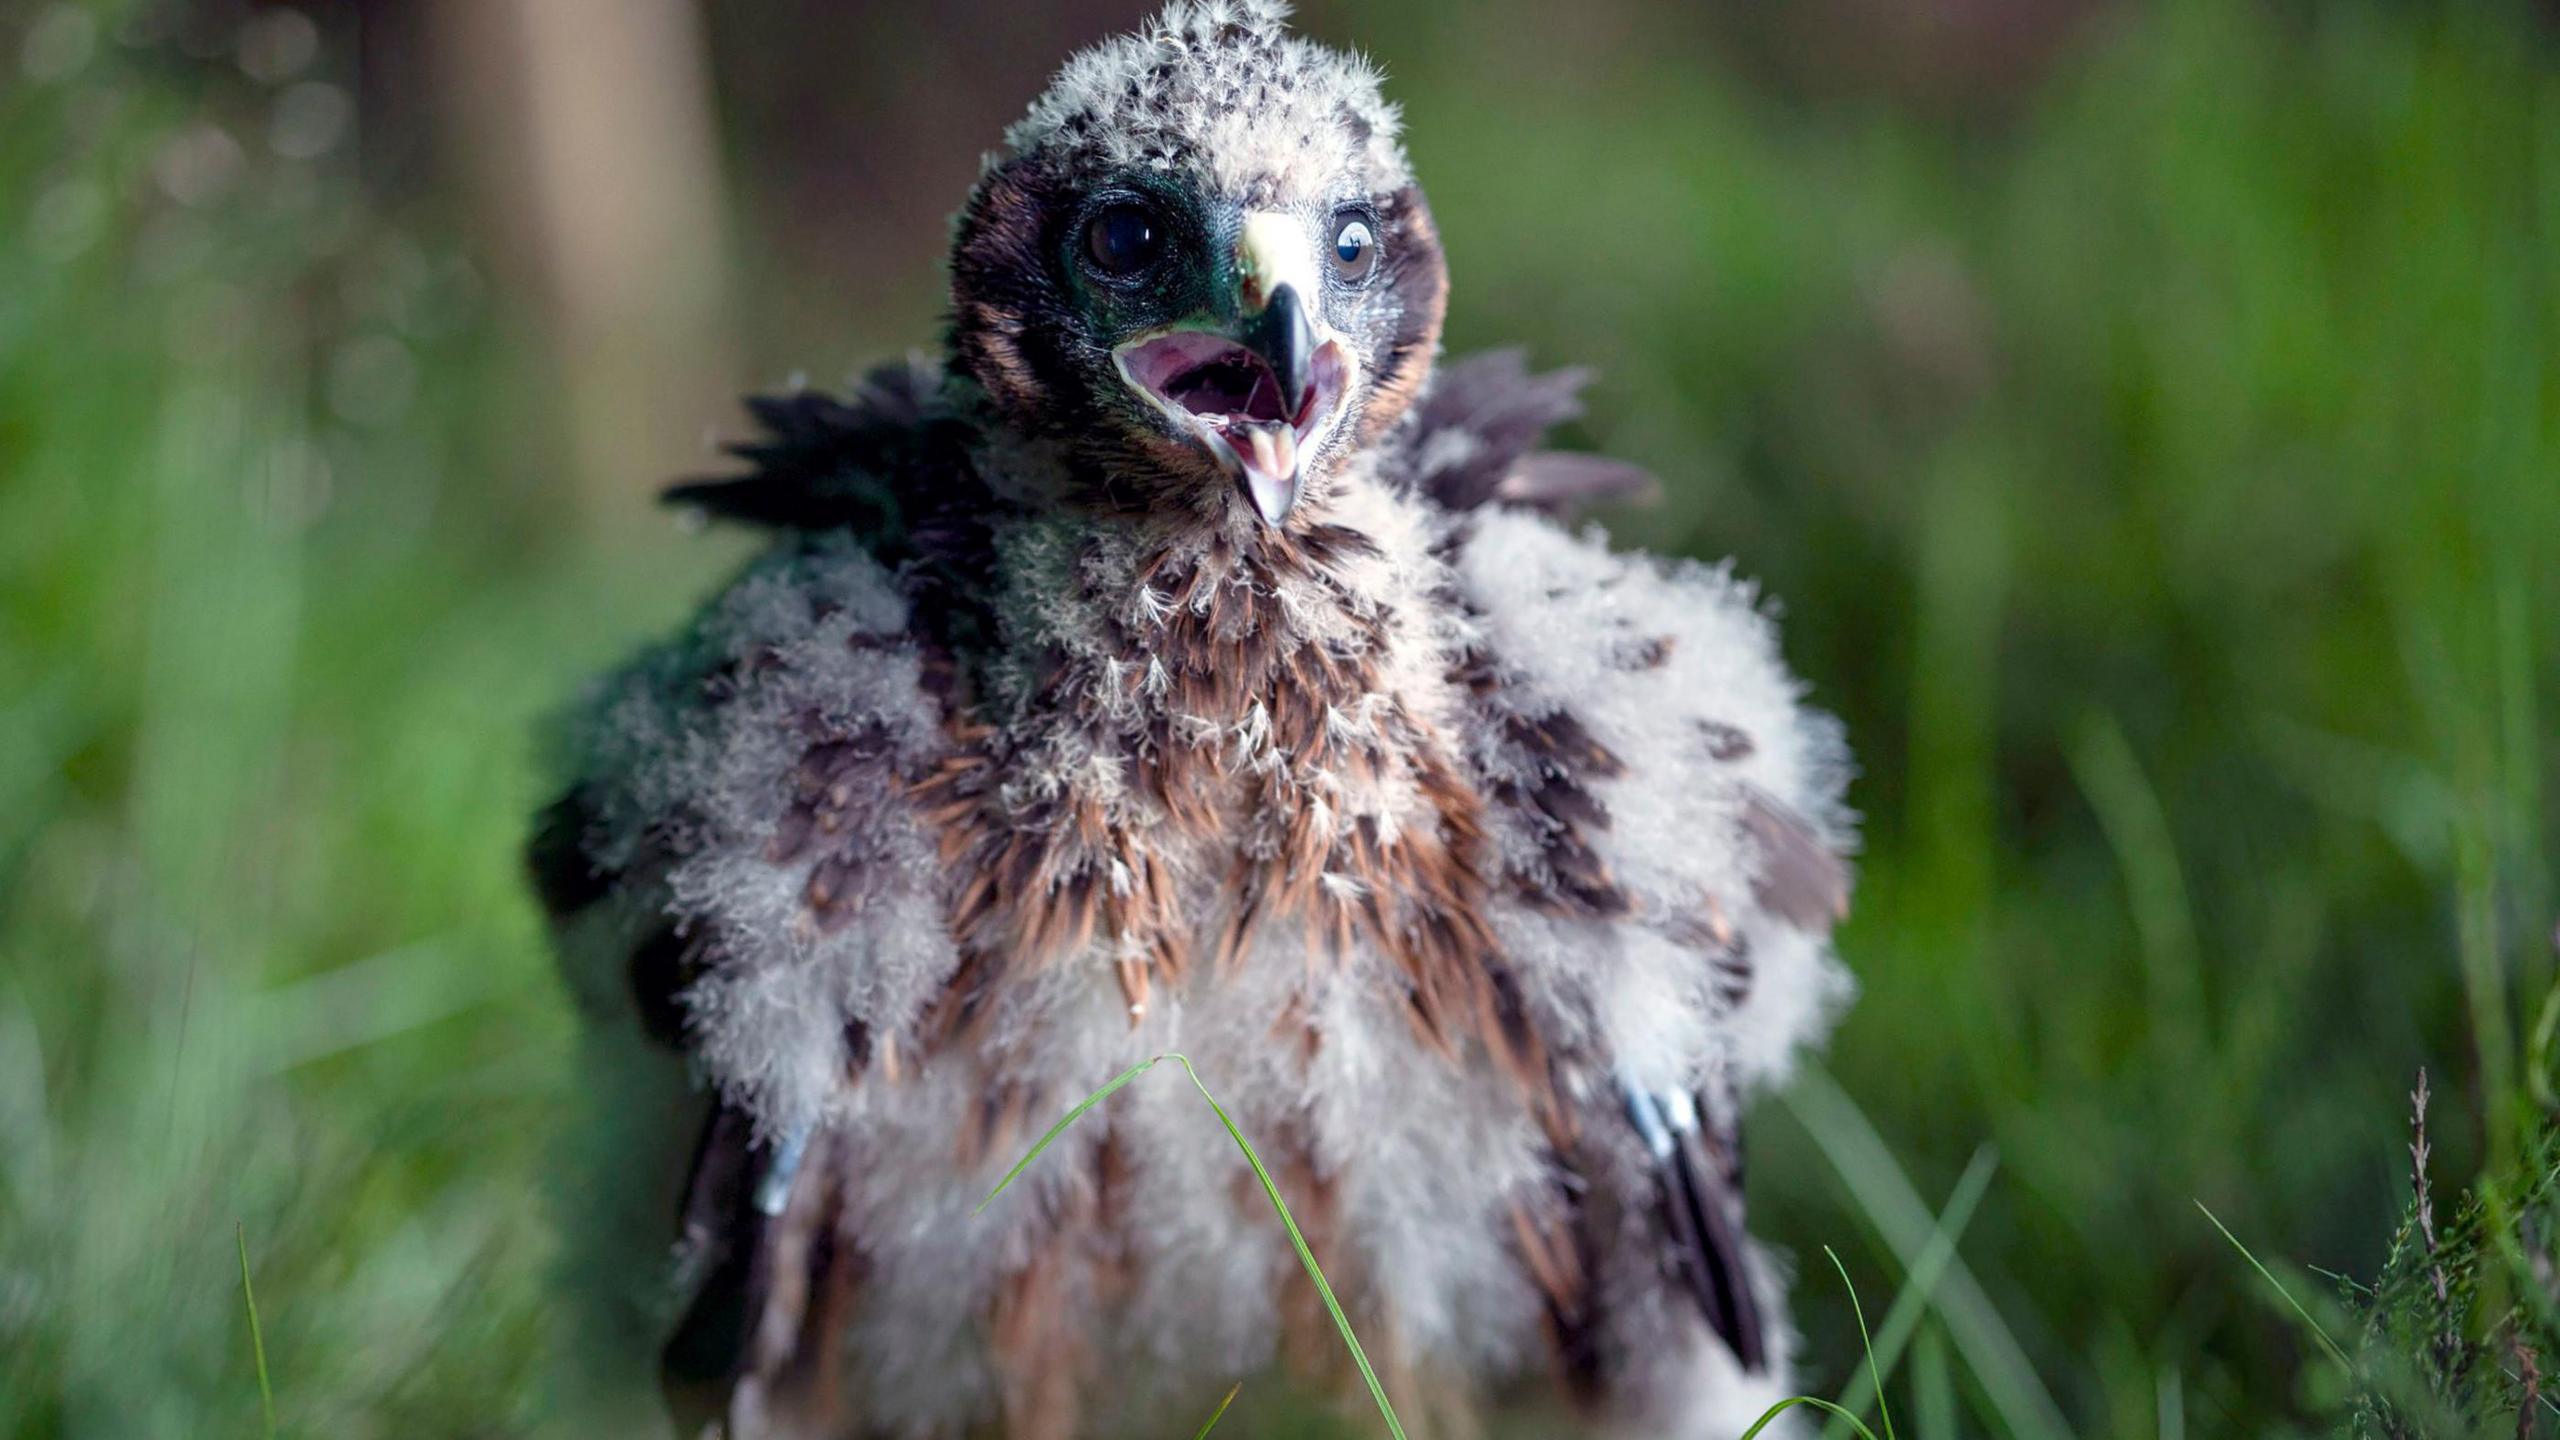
<point x="2149" y="411"/>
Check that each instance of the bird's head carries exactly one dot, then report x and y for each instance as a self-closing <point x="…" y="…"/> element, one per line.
<point x="1202" y="265"/>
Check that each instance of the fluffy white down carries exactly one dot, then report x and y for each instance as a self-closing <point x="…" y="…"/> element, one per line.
<point x="1423" y="1158"/>
<point x="714" y="779"/>
<point x="1567" y="616"/>
<point x="1223" y="85"/>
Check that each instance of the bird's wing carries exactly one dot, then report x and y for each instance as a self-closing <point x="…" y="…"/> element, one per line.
<point x="1471" y="441"/>
<point x="892" y="465"/>
<point x="822" y="461"/>
<point x="1698" y="1199"/>
<point x="1670" y="809"/>
<point x="739" y="871"/>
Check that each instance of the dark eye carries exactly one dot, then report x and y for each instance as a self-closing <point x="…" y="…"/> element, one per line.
<point x="1123" y="240"/>
<point x="1355" y="246"/>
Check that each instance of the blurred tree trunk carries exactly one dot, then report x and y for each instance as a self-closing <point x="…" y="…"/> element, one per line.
<point x="585" y="130"/>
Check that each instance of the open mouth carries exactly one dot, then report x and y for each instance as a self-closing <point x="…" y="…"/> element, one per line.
<point x="1233" y="401"/>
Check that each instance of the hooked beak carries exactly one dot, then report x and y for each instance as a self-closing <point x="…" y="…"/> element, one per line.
<point x="1286" y="343"/>
<point x="1259" y="395"/>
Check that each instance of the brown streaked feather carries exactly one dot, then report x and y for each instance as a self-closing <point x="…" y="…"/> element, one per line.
<point x="1725" y="742"/>
<point x="1309" y="1345"/>
<point x="1561" y="1255"/>
<point x="1134" y="988"/>
<point x="1650" y="653"/>
<point x="1557" y="808"/>
<point x="1731" y="966"/>
<point x="1038" y="1337"/>
<point x="1560" y="482"/>
<point x="1800" y="880"/>
<point x="1549" y="1258"/>
<point x="995" y="1126"/>
<point x="1031" y="883"/>
<point x="794" y="1378"/>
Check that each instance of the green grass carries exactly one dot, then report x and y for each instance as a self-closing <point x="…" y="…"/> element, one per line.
<point x="1919" y="1290"/>
<point x="2155" y="457"/>
<point x="1866" y="1346"/>
<point x="2308" y="1320"/>
<point x="257" y="1335"/>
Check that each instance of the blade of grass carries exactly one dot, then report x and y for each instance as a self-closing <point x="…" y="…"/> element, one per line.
<point x="1865" y="1340"/>
<point x="2269" y="1276"/>
<point x="1270" y="1189"/>
<point x="1071" y="1117"/>
<point x="1933" y="1385"/>
<point x="257" y="1337"/>
<point x="2169" y="1403"/>
<point x="2136" y="825"/>
<point x="1791" y="1402"/>
<point x="1219" y="1413"/>
<point x="1893" y="1206"/>
<point x="1838" y="1412"/>
<point x="2538" y="1051"/>
<point x="1904" y="1316"/>
<point x="1306" y="1256"/>
<point x="368" y="1001"/>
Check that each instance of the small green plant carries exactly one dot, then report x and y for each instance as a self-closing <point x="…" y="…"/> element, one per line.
<point x="2449" y="1338"/>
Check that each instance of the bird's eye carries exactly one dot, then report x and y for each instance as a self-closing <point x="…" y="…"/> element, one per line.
<point x="1355" y="247"/>
<point x="1123" y="240"/>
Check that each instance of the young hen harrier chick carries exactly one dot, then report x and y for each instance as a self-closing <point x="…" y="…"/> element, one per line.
<point x="1181" y="664"/>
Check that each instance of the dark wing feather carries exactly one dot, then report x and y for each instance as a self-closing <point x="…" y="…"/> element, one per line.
<point x="893" y="464"/>
<point x="1470" y="442"/>
<point x="758" y="1227"/>
<point x="1700" y="1201"/>
<point x="822" y="463"/>
<point x="1697" y="1148"/>
<point x="721" y="1238"/>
